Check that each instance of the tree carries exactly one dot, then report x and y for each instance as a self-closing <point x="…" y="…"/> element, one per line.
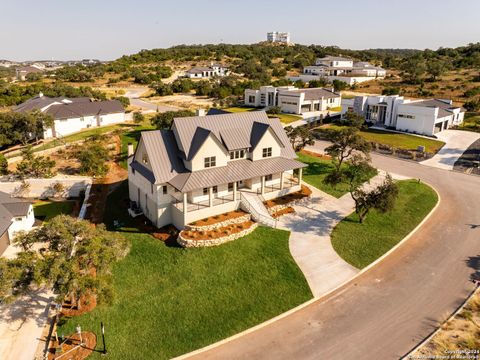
<point x="93" y="157"/>
<point x="125" y="101"/>
<point x="435" y="68"/>
<point x="339" y="85"/>
<point x="346" y="142"/>
<point x="164" y="120"/>
<point x="3" y="165"/>
<point x="413" y="70"/>
<point x="274" y="110"/>
<point x="34" y="166"/>
<point x="299" y="137"/>
<point x="138" y="117"/>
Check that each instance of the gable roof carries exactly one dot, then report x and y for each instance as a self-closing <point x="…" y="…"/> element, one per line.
<point x="11" y="207"/>
<point x="222" y="127"/>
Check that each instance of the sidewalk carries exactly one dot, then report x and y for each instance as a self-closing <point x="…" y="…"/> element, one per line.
<point x="310" y="245"/>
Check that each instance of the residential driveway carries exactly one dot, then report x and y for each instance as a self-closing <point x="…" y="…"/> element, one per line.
<point x="134" y="95"/>
<point x="21" y="326"/>
<point x="456" y="143"/>
<point x="395" y="305"/>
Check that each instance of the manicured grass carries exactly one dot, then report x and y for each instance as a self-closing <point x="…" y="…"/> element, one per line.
<point x="171" y="301"/>
<point x="471" y="122"/>
<point x="317" y="170"/>
<point x="49" y="209"/>
<point x="361" y="244"/>
<point x="284" y="118"/>
<point x="396" y="140"/>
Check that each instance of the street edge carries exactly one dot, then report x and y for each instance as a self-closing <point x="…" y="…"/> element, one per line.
<point x="315" y="299"/>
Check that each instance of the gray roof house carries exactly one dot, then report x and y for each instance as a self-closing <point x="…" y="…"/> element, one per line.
<point x="15" y="215"/>
<point x="209" y="165"/>
<point x="74" y="114"/>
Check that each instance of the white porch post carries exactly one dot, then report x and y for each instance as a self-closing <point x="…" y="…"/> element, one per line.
<point x="234" y="191"/>
<point x="263" y="185"/>
<point x="281" y="180"/>
<point x="300" y="176"/>
<point x="210" y="196"/>
<point x="185" y="204"/>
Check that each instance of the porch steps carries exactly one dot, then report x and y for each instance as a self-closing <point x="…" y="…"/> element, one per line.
<point x="253" y="204"/>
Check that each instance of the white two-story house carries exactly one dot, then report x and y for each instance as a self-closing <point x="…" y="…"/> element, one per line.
<point x="208" y="165"/>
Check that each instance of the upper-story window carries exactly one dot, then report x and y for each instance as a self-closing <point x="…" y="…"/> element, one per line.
<point x="210" y="161"/>
<point x="237" y="154"/>
<point x="267" y="152"/>
<point x="164" y="189"/>
<point x="145" y="158"/>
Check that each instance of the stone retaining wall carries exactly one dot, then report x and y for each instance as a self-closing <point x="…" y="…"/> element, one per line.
<point x="187" y="243"/>
<point x="237" y="220"/>
<point x="274" y="209"/>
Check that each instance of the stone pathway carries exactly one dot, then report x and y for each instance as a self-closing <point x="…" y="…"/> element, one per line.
<point x="310" y="227"/>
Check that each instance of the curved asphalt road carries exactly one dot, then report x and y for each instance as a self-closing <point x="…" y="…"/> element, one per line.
<point x="391" y="308"/>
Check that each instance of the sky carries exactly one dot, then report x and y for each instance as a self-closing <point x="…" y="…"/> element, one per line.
<point x="108" y="29"/>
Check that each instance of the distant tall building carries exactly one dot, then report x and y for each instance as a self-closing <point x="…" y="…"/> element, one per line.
<point x="278" y="37"/>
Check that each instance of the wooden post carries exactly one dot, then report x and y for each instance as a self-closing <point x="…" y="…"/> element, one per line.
<point x="281" y="180"/>
<point x="234" y="191"/>
<point x="263" y="185"/>
<point x="300" y="176"/>
<point x="210" y="196"/>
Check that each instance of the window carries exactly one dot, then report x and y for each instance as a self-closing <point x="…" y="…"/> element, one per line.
<point x="269" y="177"/>
<point x="237" y="154"/>
<point x="406" y="116"/>
<point x="18" y="219"/>
<point x="205" y="191"/>
<point x="267" y="152"/>
<point x="151" y="188"/>
<point x="210" y="161"/>
<point x="251" y="99"/>
<point x="215" y="189"/>
<point x="145" y="158"/>
<point x="232" y="155"/>
<point x="82" y="119"/>
<point x="164" y="189"/>
<point x="230" y="187"/>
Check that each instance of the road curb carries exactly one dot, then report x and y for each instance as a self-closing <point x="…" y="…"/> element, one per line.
<point x="409" y="354"/>
<point x="315" y="299"/>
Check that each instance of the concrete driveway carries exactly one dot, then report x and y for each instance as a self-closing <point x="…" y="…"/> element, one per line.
<point x="395" y="305"/>
<point x="456" y="143"/>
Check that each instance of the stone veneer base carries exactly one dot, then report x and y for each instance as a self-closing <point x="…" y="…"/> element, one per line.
<point x="187" y="243"/>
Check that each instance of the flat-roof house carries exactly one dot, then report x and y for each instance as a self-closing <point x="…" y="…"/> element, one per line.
<point x="74" y="114"/>
<point x="425" y="117"/>
<point x="201" y="72"/>
<point x="208" y="165"/>
<point x="293" y="100"/>
<point x="15" y="215"/>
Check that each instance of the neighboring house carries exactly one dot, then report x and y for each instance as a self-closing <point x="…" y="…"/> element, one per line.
<point x="278" y="37"/>
<point x="207" y="72"/>
<point x="343" y="69"/>
<point x="74" y="114"/>
<point x="15" y="215"/>
<point x="22" y="72"/>
<point x="209" y="165"/>
<point x="293" y="100"/>
<point x="425" y="117"/>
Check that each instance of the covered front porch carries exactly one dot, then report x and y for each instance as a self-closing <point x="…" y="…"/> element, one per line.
<point x="201" y="203"/>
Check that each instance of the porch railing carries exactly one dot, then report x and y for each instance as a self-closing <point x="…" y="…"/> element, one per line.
<point x="217" y="200"/>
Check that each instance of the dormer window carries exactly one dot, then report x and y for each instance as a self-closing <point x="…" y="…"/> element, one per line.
<point x="267" y="152"/>
<point x="237" y="154"/>
<point x="210" y="161"/>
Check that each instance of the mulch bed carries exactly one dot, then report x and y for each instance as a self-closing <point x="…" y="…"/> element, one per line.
<point x="216" y="233"/>
<point x="305" y="192"/>
<point x="80" y="353"/>
<point x="219" y="218"/>
<point x="288" y="210"/>
<point x="88" y="303"/>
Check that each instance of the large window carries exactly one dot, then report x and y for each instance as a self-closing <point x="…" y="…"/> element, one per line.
<point x="210" y="161"/>
<point x="267" y="152"/>
<point x="237" y="154"/>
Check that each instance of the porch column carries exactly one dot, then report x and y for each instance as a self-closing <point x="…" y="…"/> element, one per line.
<point x="210" y="196"/>
<point x="234" y="191"/>
<point x="263" y="185"/>
<point x="300" y="176"/>
<point x="185" y="204"/>
<point x="281" y="180"/>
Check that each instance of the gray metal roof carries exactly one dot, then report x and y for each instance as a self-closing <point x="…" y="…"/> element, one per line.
<point x="163" y="155"/>
<point x="11" y="207"/>
<point x="39" y="102"/>
<point x="235" y="138"/>
<point x="186" y="129"/>
<point x="234" y="171"/>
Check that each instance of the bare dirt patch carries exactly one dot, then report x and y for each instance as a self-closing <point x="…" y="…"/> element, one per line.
<point x="87" y="304"/>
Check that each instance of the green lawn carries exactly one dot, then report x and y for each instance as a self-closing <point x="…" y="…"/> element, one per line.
<point x="471" y="122"/>
<point x="316" y="171"/>
<point x="50" y="209"/>
<point x="399" y="141"/>
<point x="284" y="118"/>
<point x="170" y="301"/>
<point x="361" y="244"/>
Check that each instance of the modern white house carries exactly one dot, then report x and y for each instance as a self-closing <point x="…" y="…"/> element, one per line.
<point x="15" y="215"/>
<point x="343" y="69"/>
<point x="74" y="114"/>
<point x="209" y="165"/>
<point x="278" y="37"/>
<point x="293" y="100"/>
<point x="425" y="117"/>
<point x="207" y="71"/>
